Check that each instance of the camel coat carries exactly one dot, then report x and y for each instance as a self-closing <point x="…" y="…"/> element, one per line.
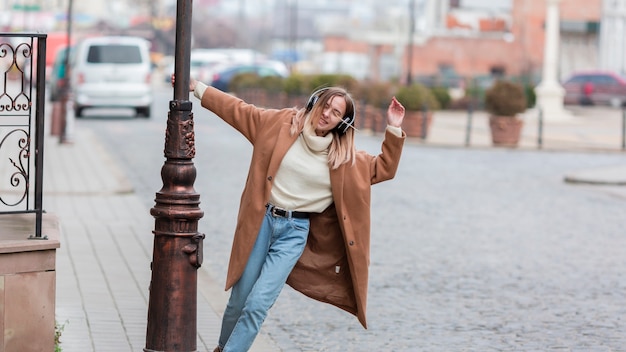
<point x="335" y="262"/>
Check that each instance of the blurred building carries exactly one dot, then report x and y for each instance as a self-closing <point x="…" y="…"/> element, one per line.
<point x="369" y="39"/>
<point x="469" y="38"/>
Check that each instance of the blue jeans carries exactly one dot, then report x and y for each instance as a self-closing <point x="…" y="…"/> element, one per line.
<point x="278" y="246"/>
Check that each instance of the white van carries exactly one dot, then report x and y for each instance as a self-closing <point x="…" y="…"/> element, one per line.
<point x="112" y="72"/>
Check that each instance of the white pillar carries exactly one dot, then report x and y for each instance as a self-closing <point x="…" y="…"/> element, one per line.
<point x="549" y="92"/>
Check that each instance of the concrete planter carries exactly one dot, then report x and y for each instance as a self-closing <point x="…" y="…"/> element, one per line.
<point x="372" y="119"/>
<point x="505" y="130"/>
<point x="413" y="124"/>
<point x="27" y="283"/>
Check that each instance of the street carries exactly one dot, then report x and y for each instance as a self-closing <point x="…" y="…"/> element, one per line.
<point x="472" y="249"/>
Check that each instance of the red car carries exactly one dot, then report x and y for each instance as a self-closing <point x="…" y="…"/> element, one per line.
<point x="595" y="88"/>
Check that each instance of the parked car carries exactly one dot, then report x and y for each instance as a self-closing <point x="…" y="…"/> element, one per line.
<point x="201" y="63"/>
<point x="223" y="75"/>
<point x="595" y="88"/>
<point x="112" y="72"/>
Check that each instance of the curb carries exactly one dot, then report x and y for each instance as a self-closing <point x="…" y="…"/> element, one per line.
<point x="609" y="175"/>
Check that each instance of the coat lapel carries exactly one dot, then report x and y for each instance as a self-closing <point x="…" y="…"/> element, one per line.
<point x="336" y="185"/>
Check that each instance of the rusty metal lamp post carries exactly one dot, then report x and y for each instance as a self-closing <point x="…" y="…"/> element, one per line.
<point x="177" y="253"/>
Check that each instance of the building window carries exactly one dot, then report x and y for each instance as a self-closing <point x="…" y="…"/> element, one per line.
<point x="497" y="71"/>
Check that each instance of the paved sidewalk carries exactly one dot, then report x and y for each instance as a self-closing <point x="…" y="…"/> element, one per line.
<point x="103" y="265"/>
<point x="597" y="129"/>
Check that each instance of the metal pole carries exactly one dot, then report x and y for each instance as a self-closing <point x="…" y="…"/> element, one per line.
<point x="409" y="75"/>
<point x="243" y="30"/>
<point x="540" y="129"/>
<point x="623" y="129"/>
<point x="67" y="87"/>
<point x="424" y="121"/>
<point x="177" y="252"/>
<point x="468" y="131"/>
<point x="39" y="130"/>
<point x="293" y="31"/>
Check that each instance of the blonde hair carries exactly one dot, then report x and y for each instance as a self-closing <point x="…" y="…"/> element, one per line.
<point x="342" y="149"/>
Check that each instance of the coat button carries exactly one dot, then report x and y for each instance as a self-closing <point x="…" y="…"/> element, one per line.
<point x="351" y="243"/>
<point x="269" y="178"/>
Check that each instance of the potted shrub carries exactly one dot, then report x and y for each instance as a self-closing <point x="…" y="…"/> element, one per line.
<point x="419" y="103"/>
<point x="504" y="101"/>
<point x="296" y="90"/>
<point x="374" y="98"/>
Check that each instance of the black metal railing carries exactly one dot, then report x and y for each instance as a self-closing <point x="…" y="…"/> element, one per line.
<point x="22" y="72"/>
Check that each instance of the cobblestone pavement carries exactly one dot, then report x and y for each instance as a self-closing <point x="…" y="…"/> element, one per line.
<point x="472" y="249"/>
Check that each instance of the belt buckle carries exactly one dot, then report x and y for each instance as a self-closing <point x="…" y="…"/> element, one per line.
<point x="273" y="212"/>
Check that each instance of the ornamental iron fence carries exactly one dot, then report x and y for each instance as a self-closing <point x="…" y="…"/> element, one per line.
<point x="22" y="100"/>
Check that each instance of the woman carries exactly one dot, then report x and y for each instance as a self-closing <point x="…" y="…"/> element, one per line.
<point x="304" y="214"/>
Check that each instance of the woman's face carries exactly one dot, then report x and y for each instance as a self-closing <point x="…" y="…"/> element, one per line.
<point x="332" y="113"/>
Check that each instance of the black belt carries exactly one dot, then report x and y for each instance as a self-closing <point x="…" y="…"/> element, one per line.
<point x="286" y="213"/>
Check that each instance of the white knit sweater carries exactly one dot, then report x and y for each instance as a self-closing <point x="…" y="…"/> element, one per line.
<point x="302" y="182"/>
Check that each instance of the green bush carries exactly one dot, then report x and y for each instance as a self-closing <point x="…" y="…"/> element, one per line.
<point x="531" y="97"/>
<point x="333" y="80"/>
<point x="273" y="84"/>
<point x="442" y="95"/>
<point x="296" y="84"/>
<point x="244" y="81"/>
<point x="58" y="331"/>
<point x="377" y="94"/>
<point x="417" y="97"/>
<point x="505" y="98"/>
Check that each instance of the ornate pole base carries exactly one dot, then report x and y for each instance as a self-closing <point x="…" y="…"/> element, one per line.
<point x="177" y="253"/>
